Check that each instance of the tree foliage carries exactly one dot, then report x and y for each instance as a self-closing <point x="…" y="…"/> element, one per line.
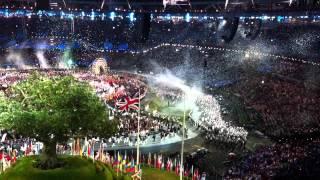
<point x="54" y="109"/>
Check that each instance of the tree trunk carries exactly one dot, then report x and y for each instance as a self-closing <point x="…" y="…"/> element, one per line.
<point x="49" y="156"/>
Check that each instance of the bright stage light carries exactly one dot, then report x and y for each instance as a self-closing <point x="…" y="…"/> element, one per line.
<point x="70" y="62"/>
<point x="112" y="15"/>
<point x="92" y="16"/>
<point x="168" y="17"/>
<point x="131" y="16"/>
<point x="247" y="55"/>
<point x="188" y="17"/>
<point x="62" y="15"/>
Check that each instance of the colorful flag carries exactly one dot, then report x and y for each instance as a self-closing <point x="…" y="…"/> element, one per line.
<point x="191" y="171"/>
<point x="112" y="161"/>
<point x="88" y="150"/>
<point x="119" y="162"/>
<point x="128" y="104"/>
<point x="159" y="161"/>
<point x="186" y="172"/>
<point x="195" y="175"/>
<point x="155" y="160"/>
<point x="149" y="159"/>
<point x="92" y="149"/>
<point x="168" y="164"/>
<point x="137" y="175"/>
<point x="177" y="169"/>
<point x="124" y="164"/>
<point x="98" y="155"/>
<point x="162" y="166"/>
<point x="13" y="155"/>
<point x="3" y="137"/>
<point x="81" y="152"/>
<point x="132" y="166"/>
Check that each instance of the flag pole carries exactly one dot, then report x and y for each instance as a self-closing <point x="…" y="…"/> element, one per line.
<point x="183" y="133"/>
<point x="138" y="136"/>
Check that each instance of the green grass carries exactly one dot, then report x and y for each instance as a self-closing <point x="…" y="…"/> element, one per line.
<point x="254" y="142"/>
<point x="156" y="174"/>
<point x="76" y="168"/>
<point x="155" y="103"/>
<point x="161" y="106"/>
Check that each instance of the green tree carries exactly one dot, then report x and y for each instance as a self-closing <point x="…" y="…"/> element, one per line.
<point x="53" y="110"/>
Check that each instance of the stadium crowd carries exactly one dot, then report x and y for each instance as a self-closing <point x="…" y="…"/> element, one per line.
<point x="281" y="103"/>
<point x="153" y="129"/>
<point x="211" y="123"/>
<point x="113" y="88"/>
<point x="290" y="160"/>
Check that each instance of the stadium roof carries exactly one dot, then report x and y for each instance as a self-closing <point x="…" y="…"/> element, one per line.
<point x="177" y="5"/>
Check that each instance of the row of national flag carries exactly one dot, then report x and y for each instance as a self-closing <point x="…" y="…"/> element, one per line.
<point x="9" y="155"/>
<point x="168" y="164"/>
<point x="121" y="163"/>
<point x="126" y="164"/>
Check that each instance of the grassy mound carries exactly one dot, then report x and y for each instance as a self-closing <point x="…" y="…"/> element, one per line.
<point x="75" y="168"/>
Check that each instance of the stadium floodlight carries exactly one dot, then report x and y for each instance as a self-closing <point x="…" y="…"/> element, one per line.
<point x="92" y="15"/>
<point x="188" y="17"/>
<point x="102" y="4"/>
<point x="175" y="3"/>
<point x="112" y="15"/>
<point x="131" y="16"/>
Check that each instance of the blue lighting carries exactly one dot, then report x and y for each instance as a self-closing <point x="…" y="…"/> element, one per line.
<point x="279" y="18"/>
<point x="131" y="16"/>
<point x="112" y="15"/>
<point x="6" y="13"/>
<point x="188" y="17"/>
<point x="168" y="17"/>
<point x="92" y="16"/>
<point x="51" y="14"/>
<point x="123" y="47"/>
<point x="70" y="62"/>
<point x="62" y="14"/>
<point x="108" y="46"/>
<point x="265" y="17"/>
<point x="70" y="16"/>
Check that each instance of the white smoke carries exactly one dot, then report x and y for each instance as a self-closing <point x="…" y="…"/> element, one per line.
<point x="189" y="93"/>
<point x="42" y="60"/>
<point x="16" y="58"/>
<point x="205" y="109"/>
<point x="62" y="65"/>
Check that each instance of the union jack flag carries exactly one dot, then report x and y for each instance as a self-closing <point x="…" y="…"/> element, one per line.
<point x="137" y="175"/>
<point x="128" y="103"/>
